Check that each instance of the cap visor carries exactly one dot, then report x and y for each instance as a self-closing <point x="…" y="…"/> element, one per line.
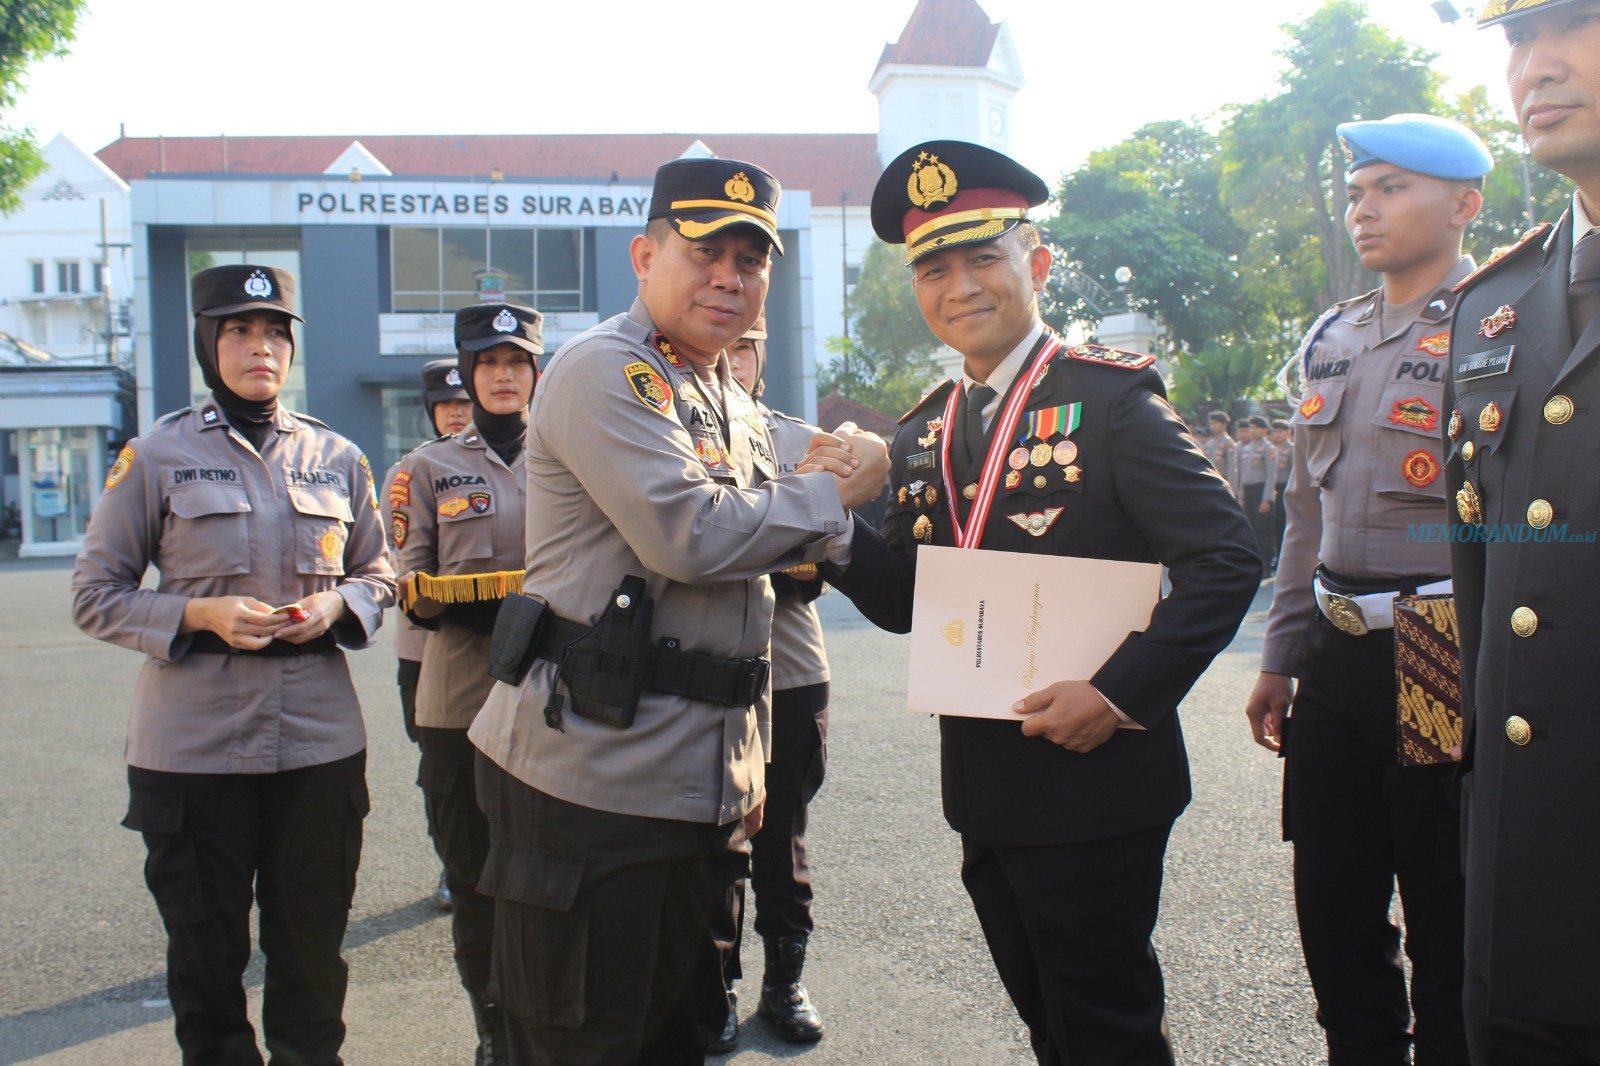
<point x="434" y="396"/>
<point x="695" y="225"/>
<point x="961" y="234"/>
<point x="480" y="344"/>
<point x="252" y="305"/>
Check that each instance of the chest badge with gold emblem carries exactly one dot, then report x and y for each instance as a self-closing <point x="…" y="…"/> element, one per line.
<point x="922" y="529"/>
<point x="1438" y="344"/>
<point x="331" y="543"/>
<point x="1455" y="423"/>
<point x="1415" y="412"/>
<point x="1013" y="479"/>
<point x="1468" y="505"/>
<point x="1041" y="454"/>
<point x="1420" y="468"/>
<point x="931" y="182"/>
<point x="1311" y="405"/>
<point x="1494" y="325"/>
<point x="931" y="437"/>
<point x="1037" y="523"/>
<point x="1489" y="417"/>
<point x="1073" y="474"/>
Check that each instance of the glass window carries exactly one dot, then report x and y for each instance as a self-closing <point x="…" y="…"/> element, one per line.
<point x="36" y="268"/>
<point x="405" y="423"/>
<point x="461" y="253"/>
<point x="98" y="273"/>
<point x="511" y="252"/>
<point x="416" y="263"/>
<point x="60" y="493"/>
<point x="433" y="266"/>
<point x="206" y="252"/>
<point x="560" y="276"/>
<point x="67" y="279"/>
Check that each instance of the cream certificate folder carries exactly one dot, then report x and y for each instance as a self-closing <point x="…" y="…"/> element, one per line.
<point x="988" y="627"/>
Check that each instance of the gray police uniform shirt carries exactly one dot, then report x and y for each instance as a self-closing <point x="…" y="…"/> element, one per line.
<point x="458" y="510"/>
<point x="1254" y="459"/>
<point x="1282" y="463"/>
<point x="1368" y="479"/>
<point x="1224" y="455"/>
<point x="798" y="655"/>
<point x="196" y="501"/>
<point x="629" y="473"/>
<point x="409" y="638"/>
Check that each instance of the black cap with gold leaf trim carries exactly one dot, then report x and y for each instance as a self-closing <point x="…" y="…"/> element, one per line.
<point x="702" y="196"/>
<point x="942" y="193"/>
<point x="1498" y="11"/>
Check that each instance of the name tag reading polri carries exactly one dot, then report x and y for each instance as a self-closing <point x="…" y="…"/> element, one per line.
<point x="1484" y="364"/>
<point x="989" y="627"/>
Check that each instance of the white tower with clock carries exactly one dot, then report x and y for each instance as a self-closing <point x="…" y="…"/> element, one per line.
<point x="952" y="74"/>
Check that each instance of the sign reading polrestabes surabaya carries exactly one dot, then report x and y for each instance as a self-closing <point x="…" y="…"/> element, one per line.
<point x="445" y="203"/>
<point x="989" y="627"/>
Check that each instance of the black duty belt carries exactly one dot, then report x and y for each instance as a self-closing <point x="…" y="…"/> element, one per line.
<point x="671" y="670"/>
<point x="210" y="644"/>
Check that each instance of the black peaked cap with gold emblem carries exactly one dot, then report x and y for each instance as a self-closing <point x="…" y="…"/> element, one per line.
<point x="441" y="381"/>
<point x="703" y="196"/>
<point x="942" y="193"/>
<point x="483" y="326"/>
<point x="1498" y="11"/>
<point x="238" y="287"/>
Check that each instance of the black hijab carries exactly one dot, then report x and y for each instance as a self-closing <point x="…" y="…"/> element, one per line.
<point x="252" y="418"/>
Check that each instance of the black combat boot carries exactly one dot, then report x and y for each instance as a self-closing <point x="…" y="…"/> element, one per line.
<point x="730" y="1029"/>
<point x="494" y="1046"/>
<point x="785" y="1004"/>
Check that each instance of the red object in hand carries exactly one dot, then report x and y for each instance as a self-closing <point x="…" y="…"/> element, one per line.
<point x="298" y="613"/>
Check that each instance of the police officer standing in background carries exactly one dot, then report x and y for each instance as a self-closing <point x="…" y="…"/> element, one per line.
<point x="458" y="508"/>
<point x="246" y="750"/>
<point x="622" y="776"/>
<point x="1255" y="468"/>
<point x="779" y="871"/>
<point x="448" y="410"/>
<point x="1064" y="813"/>
<point x="1221" y="449"/>
<point x="1367" y="477"/>
<point x="1282" y="464"/>
<point x="1524" y="432"/>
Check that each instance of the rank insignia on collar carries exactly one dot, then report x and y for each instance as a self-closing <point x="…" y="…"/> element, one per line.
<point x="1438" y="344"/>
<point x="668" y="352"/>
<point x="479" y="501"/>
<point x="1494" y="325"/>
<point x="1420" y="468"/>
<point x="1311" y="405"/>
<point x="1037" y="523"/>
<point x="651" y="388"/>
<point x="1098" y="353"/>
<point x="930" y="438"/>
<point x="1414" y="412"/>
<point x="209" y="416"/>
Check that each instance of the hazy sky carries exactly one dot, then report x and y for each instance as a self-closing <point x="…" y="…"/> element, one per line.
<point x="1095" y="70"/>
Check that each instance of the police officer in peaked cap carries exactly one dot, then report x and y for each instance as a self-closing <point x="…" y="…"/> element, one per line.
<point x="246" y="751"/>
<point x="1525" y="381"/>
<point x="1047" y="449"/>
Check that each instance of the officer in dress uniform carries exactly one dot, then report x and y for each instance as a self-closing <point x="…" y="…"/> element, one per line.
<point x="779" y="871"/>
<point x="622" y="775"/>
<point x="1523" y="430"/>
<point x="448" y="410"/>
<point x="1367" y="479"/>
<point x="458" y="506"/>
<point x="1221" y="449"/>
<point x="246" y="751"/>
<point x="1049" y="449"/>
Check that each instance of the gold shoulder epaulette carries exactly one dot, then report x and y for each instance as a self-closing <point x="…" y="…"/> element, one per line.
<point x="936" y="393"/>
<point x="1099" y="353"/>
<point x="460" y="588"/>
<point x="1503" y="253"/>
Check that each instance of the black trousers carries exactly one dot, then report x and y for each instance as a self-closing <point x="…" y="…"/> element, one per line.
<point x="779" y="871"/>
<point x="460" y="835"/>
<point x="1360" y="822"/>
<point x="290" y="841"/>
<point x="610" y="929"/>
<point x="1280" y="522"/>
<point x="1250" y="497"/>
<point x="1499" y="1041"/>
<point x="1068" y="927"/>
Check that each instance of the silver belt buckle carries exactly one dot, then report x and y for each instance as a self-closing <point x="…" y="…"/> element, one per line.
<point x="1346" y="614"/>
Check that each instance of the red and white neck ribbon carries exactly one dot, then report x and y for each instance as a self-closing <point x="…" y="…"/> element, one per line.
<point x="971" y="534"/>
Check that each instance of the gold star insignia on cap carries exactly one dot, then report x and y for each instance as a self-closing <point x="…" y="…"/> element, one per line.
<point x="931" y="182"/>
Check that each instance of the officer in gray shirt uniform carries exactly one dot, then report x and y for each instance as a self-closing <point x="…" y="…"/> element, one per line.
<point x="622" y="775"/>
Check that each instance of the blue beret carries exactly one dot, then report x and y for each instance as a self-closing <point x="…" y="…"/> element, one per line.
<point x="1425" y="144"/>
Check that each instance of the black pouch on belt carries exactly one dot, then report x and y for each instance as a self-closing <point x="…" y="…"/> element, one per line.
<point x="517" y="629"/>
<point x="604" y="670"/>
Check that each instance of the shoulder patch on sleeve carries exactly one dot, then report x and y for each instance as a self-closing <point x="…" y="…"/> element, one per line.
<point x="1099" y="353"/>
<point x="120" y="468"/>
<point x="933" y="395"/>
<point x="1504" y="254"/>
<point x="648" y="384"/>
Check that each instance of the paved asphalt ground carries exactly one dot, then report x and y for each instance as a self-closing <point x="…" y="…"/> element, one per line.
<point x="898" y="967"/>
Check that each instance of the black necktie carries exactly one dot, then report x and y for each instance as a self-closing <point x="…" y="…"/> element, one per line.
<point x="978" y="397"/>
<point x="1583" y="298"/>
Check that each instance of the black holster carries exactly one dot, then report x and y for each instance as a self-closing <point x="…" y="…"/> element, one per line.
<point x="604" y="670"/>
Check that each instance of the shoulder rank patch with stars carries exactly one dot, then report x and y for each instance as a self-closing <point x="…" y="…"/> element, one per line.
<point x="1098" y="353"/>
<point x="934" y="395"/>
<point x="1504" y="254"/>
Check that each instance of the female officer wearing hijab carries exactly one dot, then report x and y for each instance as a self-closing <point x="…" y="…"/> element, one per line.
<point x="246" y="751"/>
<point x="458" y="518"/>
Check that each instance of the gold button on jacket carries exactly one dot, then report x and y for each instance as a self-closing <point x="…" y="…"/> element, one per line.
<point x="1524" y="623"/>
<point x="1539" y="513"/>
<point x="1518" y="731"/>
<point x="1558" y="410"/>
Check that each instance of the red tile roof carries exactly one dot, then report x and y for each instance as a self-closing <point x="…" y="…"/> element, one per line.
<point x="826" y="164"/>
<point x="834" y="410"/>
<point x="943" y="33"/>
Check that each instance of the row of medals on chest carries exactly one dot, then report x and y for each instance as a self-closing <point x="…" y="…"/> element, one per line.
<point x="1558" y="411"/>
<point x="922" y="494"/>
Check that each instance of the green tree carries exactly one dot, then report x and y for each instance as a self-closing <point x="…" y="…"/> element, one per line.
<point x="29" y="30"/>
<point x="888" y="364"/>
<point x="1283" y="172"/>
<point x="1504" y="217"/>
